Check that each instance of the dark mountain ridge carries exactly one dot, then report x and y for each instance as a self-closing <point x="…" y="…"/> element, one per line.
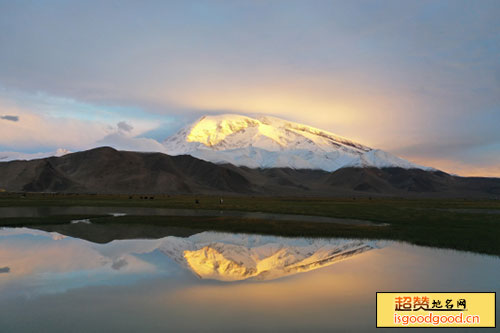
<point x="106" y="170"/>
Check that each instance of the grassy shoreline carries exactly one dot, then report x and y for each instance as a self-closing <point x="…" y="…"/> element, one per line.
<point x="417" y="221"/>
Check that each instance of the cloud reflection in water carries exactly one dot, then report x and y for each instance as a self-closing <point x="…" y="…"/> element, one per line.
<point x="46" y="262"/>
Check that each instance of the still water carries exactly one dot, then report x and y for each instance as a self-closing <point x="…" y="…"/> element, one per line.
<point x="216" y="282"/>
<point x="146" y="211"/>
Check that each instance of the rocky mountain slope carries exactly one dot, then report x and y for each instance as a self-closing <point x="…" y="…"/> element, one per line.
<point x="106" y="170"/>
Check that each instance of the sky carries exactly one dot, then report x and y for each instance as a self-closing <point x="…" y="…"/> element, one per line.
<point x="420" y="79"/>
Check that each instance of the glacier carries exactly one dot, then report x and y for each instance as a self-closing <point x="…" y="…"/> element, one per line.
<point x="263" y="142"/>
<point x="270" y="142"/>
<point x="236" y="257"/>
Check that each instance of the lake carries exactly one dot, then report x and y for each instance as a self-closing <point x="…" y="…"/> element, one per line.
<point x="215" y="282"/>
<point x="147" y="211"/>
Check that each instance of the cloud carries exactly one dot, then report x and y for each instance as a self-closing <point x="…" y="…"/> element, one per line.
<point x="392" y="75"/>
<point x="49" y="123"/>
<point x="36" y="259"/>
<point x="122" y="141"/>
<point x="10" y="118"/>
<point x="118" y="264"/>
<point x="460" y="167"/>
<point x="46" y="132"/>
<point x="123" y="126"/>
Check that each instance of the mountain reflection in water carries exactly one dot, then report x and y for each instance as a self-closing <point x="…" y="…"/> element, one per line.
<point x="54" y="283"/>
<point x="230" y="257"/>
<point x="209" y="255"/>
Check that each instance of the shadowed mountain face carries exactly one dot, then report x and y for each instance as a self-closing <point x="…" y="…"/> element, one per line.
<point x="106" y="170"/>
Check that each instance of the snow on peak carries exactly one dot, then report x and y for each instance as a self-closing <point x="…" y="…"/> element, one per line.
<point x="231" y="131"/>
<point x="212" y="130"/>
<point x="236" y="257"/>
<point x="269" y="142"/>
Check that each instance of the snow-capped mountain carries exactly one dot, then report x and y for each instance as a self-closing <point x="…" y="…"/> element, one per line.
<point x="269" y="142"/>
<point x="234" y="257"/>
<point x="208" y="255"/>
<point x="11" y="156"/>
<point x="266" y="142"/>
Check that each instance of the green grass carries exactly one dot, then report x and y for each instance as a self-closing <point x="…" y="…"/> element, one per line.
<point x="421" y="222"/>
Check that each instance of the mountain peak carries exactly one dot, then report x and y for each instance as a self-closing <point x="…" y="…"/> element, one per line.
<point x="229" y="131"/>
<point x="234" y="257"/>
<point x="211" y="130"/>
<point x="267" y="142"/>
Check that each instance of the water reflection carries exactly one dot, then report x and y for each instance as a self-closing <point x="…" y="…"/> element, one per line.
<point x="105" y="233"/>
<point x="147" y="211"/>
<point x="41" y="262"/>
<point x="57" y="283"/>
<point x="230" y="257"/>
<point x="46" y="257"/>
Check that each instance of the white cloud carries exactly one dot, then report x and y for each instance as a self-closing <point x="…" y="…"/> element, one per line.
<point x="388" y="76"/>
<point x="38" y="131"/>
<point x="122" y="141"/>
<point x="49" y="132"/>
